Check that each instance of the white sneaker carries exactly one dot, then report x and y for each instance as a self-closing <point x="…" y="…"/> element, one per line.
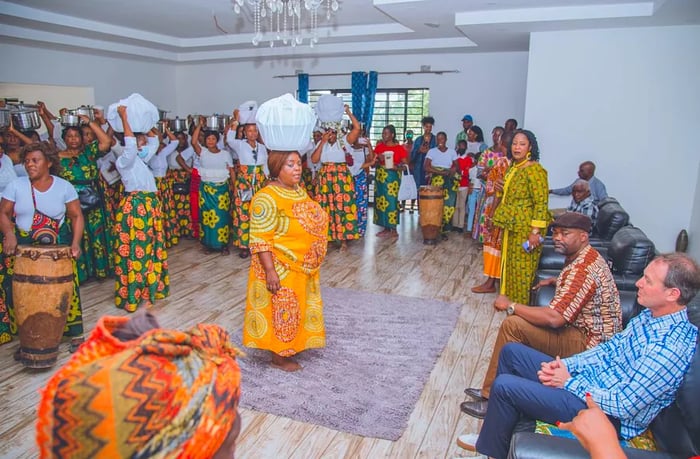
<point x="467" y="441"/>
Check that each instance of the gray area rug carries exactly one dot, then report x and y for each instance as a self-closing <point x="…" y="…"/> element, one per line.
<point x="380" y="350"/>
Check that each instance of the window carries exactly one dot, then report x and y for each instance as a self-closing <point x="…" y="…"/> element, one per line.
<point x="403" y="108"/>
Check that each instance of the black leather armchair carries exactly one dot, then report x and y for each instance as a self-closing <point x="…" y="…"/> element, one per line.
<point x="676" y="429"/>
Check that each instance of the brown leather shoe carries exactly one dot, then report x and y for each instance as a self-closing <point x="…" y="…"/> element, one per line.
<point x="476" y="409"/>
<point x="474" y="393"/>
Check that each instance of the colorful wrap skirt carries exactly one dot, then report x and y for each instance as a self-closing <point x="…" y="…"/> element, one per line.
<point x="247" y="178"/>
<point x="386" y="197"/>
<point x="336" y="195"/>
<point x="180" y="216"/>
<point x="215" y="214"/>
<point x="362" y="201"/>
<point x="450" y="186"/>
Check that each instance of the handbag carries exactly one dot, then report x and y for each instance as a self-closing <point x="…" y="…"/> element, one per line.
<point x="407" y="189"/>
<point x="44" y="229"/>
<point x="246" y="195"/>
<point x="89" y="198"/>
<point x="181" y="187"/>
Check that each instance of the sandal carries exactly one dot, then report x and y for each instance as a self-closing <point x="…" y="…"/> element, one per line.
<point x="244" y="253"/>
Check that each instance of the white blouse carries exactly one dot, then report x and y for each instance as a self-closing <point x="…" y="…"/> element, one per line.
<point x="136" y="176"/>
<point x="214" y="166"/>
<point x="51" y="202"/>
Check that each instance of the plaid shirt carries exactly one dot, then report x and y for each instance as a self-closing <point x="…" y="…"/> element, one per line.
<point x="637" y="373"/>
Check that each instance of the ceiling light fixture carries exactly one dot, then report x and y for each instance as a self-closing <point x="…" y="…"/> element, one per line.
<point x="283" y="19"/>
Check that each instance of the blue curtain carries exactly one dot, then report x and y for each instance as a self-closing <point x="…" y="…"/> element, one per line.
<point x="303" y="87"/>
<point x="359" y="88"/>
<point x="370" y="94"/>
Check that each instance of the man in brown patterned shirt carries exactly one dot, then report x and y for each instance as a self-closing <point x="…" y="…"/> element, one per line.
<point x="584" y="312"/>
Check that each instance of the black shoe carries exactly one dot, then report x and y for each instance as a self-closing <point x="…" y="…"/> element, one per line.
<point x="474" y="393"/>
<point x="444" y="236"/>
<point x="476" y="409"/>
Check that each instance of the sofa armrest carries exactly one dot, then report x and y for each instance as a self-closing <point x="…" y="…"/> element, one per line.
<point x="530" y="445"/>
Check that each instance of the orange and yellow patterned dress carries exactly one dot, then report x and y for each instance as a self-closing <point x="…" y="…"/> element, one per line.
<point x="294" y="228"/>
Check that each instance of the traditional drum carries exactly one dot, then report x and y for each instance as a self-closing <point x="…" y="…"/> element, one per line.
<point x="430" y="204"/>
<point x="42" y="289"/>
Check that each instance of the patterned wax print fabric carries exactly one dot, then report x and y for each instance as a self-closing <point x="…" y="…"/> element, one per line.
<point x="486" y="162"/>
<point x="386" y="197"/>
<point x="8" y="324"/>
<point x="82" y="172"/>
<point x="165" y="394"/>
<point x="336" y="195"/>
<point x="525" y="204"/>
<point x="141" y="260"/>
<point x="307" y="180"/>
<point x="215" y="214"/>
<point x="361" y="200"/>
<point x="180" y="211"/>
<point x="449" y="186"/>
<point x="489" y="234"/>
<point x="247" y="177"/>
<point x="294" y="229"/>
<point x="165" y="197"/>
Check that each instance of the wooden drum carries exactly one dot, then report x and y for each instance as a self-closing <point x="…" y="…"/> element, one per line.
<point x="42" y="289"/>
<point x="430" y="204"/>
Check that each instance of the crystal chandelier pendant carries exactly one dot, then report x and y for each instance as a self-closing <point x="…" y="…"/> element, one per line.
<point x="286" y="20"/>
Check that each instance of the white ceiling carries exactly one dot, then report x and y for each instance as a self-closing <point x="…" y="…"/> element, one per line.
<point x="186" y="30"/>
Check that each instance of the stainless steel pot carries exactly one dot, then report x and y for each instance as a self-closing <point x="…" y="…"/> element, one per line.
<point x="4" y="118"/>
<point x="224" y="120"/>
<point x="25" y="117"/>
<point x="160" y="126"/>
<point x="178" y="125"/>
<point x="162" y="114"/>
<point x="70" y="119"/>
<point x="211" y="123"/>
<point x="85" y="110"/>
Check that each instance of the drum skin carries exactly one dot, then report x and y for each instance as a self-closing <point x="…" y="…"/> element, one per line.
<point x="42" y="289"/>
<point x="430" y="204"/>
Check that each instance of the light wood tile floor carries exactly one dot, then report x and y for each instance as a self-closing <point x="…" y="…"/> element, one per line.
<point x="211" y="288"/>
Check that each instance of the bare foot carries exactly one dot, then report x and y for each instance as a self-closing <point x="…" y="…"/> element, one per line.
<point x="285" y="363"/>
<point x="343" y="247"/>
<point x="384" y="232"/>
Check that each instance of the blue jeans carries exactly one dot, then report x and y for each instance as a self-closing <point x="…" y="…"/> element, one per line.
<point x="518" y="392"/>
<point x="471" y="208"/>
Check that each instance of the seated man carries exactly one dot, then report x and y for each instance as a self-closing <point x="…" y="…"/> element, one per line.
<point x="586" y="171"/>
<point x="136" y="390"/>
<point x="584" y="312"/>
<point x="632" y="377"/>
<point x="582" y="201"/>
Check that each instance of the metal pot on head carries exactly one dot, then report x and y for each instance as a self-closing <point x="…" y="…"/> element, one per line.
<point x="162" y="114"/>
<point x="25" y="117"/>
<point x="70" y="119"/>
<point x="224" y="120"/>
<point x="4" y="118"/>
<point x="211" y="123"/>
<point x="178" y="125"/>
<point x="160" y="125"/>
<point x="85" y="110"/>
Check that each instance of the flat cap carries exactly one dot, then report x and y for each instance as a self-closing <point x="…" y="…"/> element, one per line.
<point x="573" y="220"/>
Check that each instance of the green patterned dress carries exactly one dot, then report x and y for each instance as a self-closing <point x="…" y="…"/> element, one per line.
<point x="525" y="204"/>
<point x="82" y="172"/>
<point x="449" y="186"/>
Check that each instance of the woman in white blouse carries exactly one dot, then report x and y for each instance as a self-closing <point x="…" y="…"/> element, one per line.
<point x="140" y="258"/>
<point x="250" y="176"/>
<point x="215" y="169"/>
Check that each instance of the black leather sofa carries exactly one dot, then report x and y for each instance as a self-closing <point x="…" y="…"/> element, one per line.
<point x="611" y="218"/>
<point x="676" y="429"/>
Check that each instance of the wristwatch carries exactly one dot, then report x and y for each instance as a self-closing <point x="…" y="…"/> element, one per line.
<point x="510" y="310"/>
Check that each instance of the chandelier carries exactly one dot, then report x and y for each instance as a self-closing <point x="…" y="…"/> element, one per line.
<point x="281" y="20"/>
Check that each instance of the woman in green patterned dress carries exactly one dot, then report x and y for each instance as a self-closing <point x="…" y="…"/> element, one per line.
<point x="441" y="165"/>
<point x="80" y="168"/>
<point x="524" y="215"/>
<point x="386" y="191"/>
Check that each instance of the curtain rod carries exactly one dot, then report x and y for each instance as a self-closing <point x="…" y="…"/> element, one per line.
<point x="407" y="72"/>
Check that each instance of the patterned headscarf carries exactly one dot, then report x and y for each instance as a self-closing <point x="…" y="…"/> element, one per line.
<point x="164" y="394"/>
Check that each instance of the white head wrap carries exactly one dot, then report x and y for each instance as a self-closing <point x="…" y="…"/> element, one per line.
<point x="285" y="123"/>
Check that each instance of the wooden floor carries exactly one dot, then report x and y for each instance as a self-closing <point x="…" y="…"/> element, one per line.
<point x="211" y="288"/>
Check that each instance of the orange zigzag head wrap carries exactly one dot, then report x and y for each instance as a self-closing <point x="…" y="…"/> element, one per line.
<point x="165" y="394"/>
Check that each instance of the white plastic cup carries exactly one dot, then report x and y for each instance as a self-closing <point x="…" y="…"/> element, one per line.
<point x="389" y="159"/>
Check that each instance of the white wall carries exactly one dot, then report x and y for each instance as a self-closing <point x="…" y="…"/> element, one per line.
<point x="694" y="229"/>
<point x="491" y="87"/>
<point x="629" y="100"/>
<point x="112" y="78"/>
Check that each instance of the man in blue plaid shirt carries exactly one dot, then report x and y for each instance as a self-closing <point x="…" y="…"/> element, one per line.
<point x="632" y="377"/>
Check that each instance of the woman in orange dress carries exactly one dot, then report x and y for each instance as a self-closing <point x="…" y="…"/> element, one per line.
<point x="288" y="242"/>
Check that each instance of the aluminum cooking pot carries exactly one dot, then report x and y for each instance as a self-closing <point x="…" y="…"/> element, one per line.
<point x="25" y="117"/>
<point x="85" y="110"/>
<point x="160" y="126"/>
<point x="211" y="123"/>
<point x="162" y="114"/>
<point x="224" y="120"/>
<point x="70" y="119"/>
<point x="178" y="125"/>
<point x="4" y="118"/>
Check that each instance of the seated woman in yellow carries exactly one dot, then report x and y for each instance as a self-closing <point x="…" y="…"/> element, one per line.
<point x="288" y="241"/>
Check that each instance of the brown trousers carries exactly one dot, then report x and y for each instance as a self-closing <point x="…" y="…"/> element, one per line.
<point x="564" y="342"/>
